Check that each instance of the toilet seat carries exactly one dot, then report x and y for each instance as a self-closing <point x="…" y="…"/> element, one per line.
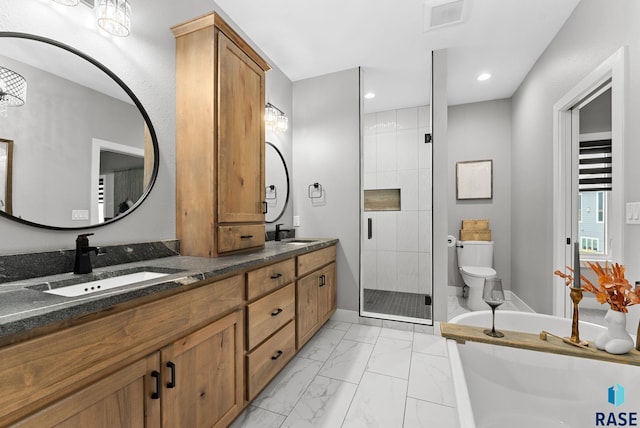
<point x="478" y="271"/>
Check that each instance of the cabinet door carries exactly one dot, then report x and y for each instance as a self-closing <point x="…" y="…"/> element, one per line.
<point x="203" y="376"/>
<point x="123" y="399"/>
<point x="240" y="112"/>
<point x="306" y="307"/>
<point x="327" y="292"/>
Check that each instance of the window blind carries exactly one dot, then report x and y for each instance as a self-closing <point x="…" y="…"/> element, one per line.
<point x="595" y="166"/>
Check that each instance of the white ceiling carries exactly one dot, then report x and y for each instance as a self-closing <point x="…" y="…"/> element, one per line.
<point x="385" y="37"/>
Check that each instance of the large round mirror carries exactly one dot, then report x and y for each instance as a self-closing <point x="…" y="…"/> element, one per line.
<point x="277" y="183"/>
<point x="79" y="150"/>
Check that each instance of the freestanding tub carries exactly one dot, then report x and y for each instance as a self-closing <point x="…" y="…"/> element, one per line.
<point x="503" y="387"/>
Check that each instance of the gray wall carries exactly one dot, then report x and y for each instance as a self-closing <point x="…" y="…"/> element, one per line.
<point x="327" y="151"/>
<point x="482" y="131"/>
<point x="594" y="32"/>
<point x="145" y="61"/>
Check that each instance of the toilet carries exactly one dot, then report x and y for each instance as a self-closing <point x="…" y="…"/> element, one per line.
<point x="475" y="262"/>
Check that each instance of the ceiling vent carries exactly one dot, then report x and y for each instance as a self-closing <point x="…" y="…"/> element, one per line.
<point x="441" y="13"/>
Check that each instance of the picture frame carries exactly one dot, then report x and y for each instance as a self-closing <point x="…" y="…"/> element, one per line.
<point x="6" y="172"/>
<point x="474" y="179"/>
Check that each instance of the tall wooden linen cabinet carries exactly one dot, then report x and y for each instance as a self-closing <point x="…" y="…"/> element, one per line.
<point x="220" y="139"/>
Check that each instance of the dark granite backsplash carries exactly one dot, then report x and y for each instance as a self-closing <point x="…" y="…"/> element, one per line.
<point x="18" y="267"/>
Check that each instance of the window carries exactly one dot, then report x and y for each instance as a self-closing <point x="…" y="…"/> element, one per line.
<point x="595" y="190"/>
<point x="600" y="210"/>
<point x="589" y="245"/>
<point x="579" y="207"/>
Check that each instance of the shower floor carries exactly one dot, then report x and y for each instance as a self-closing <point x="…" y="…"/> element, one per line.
<point x="396" y="303"/>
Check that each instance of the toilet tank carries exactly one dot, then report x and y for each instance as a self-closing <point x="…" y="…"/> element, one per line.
<point x="475" y="253"/>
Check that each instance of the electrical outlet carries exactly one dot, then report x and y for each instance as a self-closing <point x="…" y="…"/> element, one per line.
<point x="296" y="221"/>
<point x="79" y="215"/>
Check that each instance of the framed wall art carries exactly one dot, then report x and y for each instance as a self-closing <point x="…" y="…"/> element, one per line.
<point x="6" y="157"/>
<point x="474" y="179"/>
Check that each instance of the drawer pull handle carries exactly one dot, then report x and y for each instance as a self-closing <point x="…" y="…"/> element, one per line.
<point x="276" y="276"/>
<point x="276" y="312"/>
<point x="156" y="395"/>
<point x="246" y="236"/>
<point x="277" y="355"/>
<point x="172" y="383"/>
<point x="323" y="280"/>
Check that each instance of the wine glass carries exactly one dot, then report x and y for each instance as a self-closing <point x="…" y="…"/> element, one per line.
<point x="493" y="295"/>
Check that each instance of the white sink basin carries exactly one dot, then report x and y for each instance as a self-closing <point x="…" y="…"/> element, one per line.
<point x="104" y="284"/>
<point x="295" y="241"/>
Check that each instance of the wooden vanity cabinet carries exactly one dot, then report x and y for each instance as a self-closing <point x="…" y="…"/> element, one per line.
<point x="315" y="292"/>
<point x="270" y="323"/>
<point x="220" y="134"/>
<point x="177" y="361"/>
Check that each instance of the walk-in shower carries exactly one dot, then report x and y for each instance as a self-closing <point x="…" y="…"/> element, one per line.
<point x="396" y="216"/>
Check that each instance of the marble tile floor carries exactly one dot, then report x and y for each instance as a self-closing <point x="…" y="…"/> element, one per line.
<point x="355" y="375"/>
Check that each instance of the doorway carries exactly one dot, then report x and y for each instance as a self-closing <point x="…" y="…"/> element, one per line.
<point x="576" y="190"/>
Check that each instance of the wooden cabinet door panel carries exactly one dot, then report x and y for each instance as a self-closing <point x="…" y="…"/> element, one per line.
<point x="241" y="98"/>
<point x="202" y="376"/>
<point x="120" y="400"/>
<point x="327" y="291"/>
<point x="306" y="307"/>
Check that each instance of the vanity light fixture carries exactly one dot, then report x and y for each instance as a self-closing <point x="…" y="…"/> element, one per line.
<point x="13" y="90"/>
<point x="484" y="76"/>
<point x="275" y="118"/>
<point x="114" y="17"/>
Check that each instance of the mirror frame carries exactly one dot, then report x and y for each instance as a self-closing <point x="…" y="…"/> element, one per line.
<point x="138" y="104"/>
<point x="286" y="171"/>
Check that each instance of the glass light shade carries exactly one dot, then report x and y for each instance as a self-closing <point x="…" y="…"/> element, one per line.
<point x="67" y="2"/>
<point x="270" y="115"/>
<point x="282" y="123"/>
<point x="13" y="88"/>
<point x="114" y="17"/>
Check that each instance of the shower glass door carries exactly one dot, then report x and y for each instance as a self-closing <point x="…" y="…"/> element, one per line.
<point x="396" y="216"/>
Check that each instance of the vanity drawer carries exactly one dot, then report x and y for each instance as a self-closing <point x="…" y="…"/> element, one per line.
<point x="263" y="280"/>
<point x="269" y="358"/>
<point x="267" y="315"/>
<point x="312" y="261"/>
<point x="240" y="237"/>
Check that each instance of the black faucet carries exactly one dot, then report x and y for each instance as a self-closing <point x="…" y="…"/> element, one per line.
<point x="83" y="254"/>
<point x="278" y="230"/>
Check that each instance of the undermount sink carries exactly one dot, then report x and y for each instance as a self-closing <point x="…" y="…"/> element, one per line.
<point x="82" y="285"/>
<point x="299" y="241"/>
<point x="85" y="288"/>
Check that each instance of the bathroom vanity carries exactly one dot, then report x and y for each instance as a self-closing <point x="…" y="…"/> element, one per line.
<point x="192" y="348"/>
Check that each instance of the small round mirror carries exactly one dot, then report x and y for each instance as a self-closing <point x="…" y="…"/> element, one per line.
<point x="276" y="182"/>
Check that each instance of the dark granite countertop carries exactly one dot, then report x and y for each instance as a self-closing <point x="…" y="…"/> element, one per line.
<point x="25" y="307"/>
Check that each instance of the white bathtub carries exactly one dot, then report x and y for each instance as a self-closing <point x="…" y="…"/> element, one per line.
<point x="502" y="387"/>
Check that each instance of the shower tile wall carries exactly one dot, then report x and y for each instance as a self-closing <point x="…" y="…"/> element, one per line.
<point x="398" y="257"/>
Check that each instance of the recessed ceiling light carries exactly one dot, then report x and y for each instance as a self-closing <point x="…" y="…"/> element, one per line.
<point x="484" y="76"/>
<point x="369" y="95"/>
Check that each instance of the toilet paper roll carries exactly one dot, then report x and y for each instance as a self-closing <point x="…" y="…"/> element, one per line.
<point x="451" y="241"/>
